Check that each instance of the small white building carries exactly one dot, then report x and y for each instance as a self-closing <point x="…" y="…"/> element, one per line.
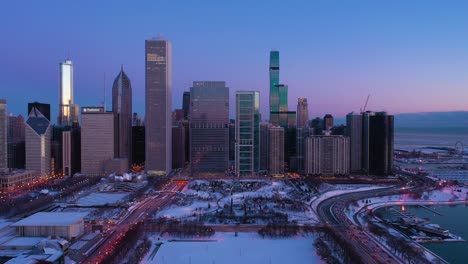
<point x="68" y="225"/>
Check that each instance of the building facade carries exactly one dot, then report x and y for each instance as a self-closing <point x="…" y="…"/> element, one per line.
<point x="97" y="139"/>
<point x="178" y="146"/>
<point x="122" y="109"/>
<point x="209" y="127"/>
<point x="380" y="146"/>
<point x="276" y="151"/>
<point x="10" y="179"/>
<point x="327" y="155"/>
<point x="158" y="123"/>
<point x="264" y="145"/>
<point x="138" y="145"/>
<point x="302" y="113"/>
<point x="186" y="104"/>
<point x="38" y="142"/>
<point x="354" y="132"/>
<point x="247" y="142"/>
<point x="3" y="134"/>
<point x="66" y="108"/>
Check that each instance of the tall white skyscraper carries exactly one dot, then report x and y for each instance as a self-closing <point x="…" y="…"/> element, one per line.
<point x="66" y="108"/>
<point x="158" y="98"/>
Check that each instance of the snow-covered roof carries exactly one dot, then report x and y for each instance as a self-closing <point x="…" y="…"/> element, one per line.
<point x="23" y="241"/>
<point x="51" y="219"/>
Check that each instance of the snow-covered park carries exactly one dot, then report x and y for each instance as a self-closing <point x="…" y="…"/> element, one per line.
<point x="226" y="248"/>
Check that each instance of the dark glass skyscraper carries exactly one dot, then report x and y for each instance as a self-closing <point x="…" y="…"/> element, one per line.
<point x="158" y="82"/>
<point x="122" y="109"/>
<point x="3" y="134"/>
<point x="209" y="127"/>
<point x="274" y="82"/>
<point x="186" y="104"/>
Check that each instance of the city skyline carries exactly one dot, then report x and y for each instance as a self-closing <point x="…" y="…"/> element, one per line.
<point x="396" y="58"/>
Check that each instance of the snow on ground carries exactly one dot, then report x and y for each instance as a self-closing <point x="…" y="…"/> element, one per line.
<point x="176" y="211"/>
<point x="96" y="199"/>
<point x="246" y="248"/>
<point x="333" y="193"/>
<point x="444" y="195"/>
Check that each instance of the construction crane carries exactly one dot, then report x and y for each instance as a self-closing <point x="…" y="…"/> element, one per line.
<point x="365" y="105"/>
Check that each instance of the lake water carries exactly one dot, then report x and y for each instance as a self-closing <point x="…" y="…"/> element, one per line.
<point x="454" y="218"/>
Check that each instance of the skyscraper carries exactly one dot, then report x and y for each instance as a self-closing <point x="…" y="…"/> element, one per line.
<point x="247" y="146"/>
<point x="3" y="134"/>
<point x="66" y="108"/>
<point x="276" y="151"/>
<point x="354" y="132"/>
<point x="264" y="146"/>
<point x="274" y="82"/>
<point x="209" y="127"/>
<point x="302" y="113"/>
<point x="327" y="155"/>
<point x="122" y="109"/>
<point x="38" y="137"/>
<point x="186" y="104"/>
<point x="158" y="82"/>
<point x="43" y="108"/>
<point x="97" y="139"/>
<point x="16" y="142"/>
<point x="380" y="144"/>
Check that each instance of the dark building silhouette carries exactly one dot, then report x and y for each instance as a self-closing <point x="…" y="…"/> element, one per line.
<point x="232" y="139"/>
<point x="178" y="146"/>
<point x="138" y="144"/>
<point x="327" y="122"/>
<point x="122" y="109"/>
<point x="43" y="108"/>
<point x="186" y="104"/>
<point x="380" y="144"/>
<point x="16" y="142"/>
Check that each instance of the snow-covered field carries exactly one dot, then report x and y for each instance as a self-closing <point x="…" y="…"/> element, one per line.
<point x="96" y="199"/>
<point x="246" y="248"/>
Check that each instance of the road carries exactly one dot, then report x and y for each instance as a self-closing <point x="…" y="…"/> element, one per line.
<point x="331" y="211"/>
<point x="137" y="213"/>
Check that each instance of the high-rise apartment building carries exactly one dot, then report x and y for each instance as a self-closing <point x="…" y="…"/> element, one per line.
<point x="327" y="155"/>
<point x="302" y="133"/>
<point x="122" y="109"/>
<point x="209" y="127"/>
<point x="276" y="151"/>
<point x="3" y="134"/>
<point x="354" y="132"/>
<point x="66" y="108"/>
<point x="380" y="147"/>
<point x="302" y="113"/>
<point x="247" y="143"/>
<point x="97" y="139"/>
<point x="38" y="141"/>
<point x="158" y="123"/>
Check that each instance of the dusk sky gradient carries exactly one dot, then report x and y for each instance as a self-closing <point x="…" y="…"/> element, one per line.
<point x="411" y="56"/>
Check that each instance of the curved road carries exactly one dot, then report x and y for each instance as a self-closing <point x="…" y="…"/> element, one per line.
<point x="331" y="212"/>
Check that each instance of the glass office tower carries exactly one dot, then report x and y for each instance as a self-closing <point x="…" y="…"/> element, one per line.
<point x="65" y="93"/>
<point x="247" y="156"/>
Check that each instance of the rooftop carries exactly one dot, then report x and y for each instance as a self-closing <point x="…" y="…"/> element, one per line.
<point x="51" y="219"/>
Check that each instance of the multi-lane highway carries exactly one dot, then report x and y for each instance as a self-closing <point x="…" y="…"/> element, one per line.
<point x="141" y="210"/>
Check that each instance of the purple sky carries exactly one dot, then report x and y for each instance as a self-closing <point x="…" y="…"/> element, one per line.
<point x="411" y="56"/>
